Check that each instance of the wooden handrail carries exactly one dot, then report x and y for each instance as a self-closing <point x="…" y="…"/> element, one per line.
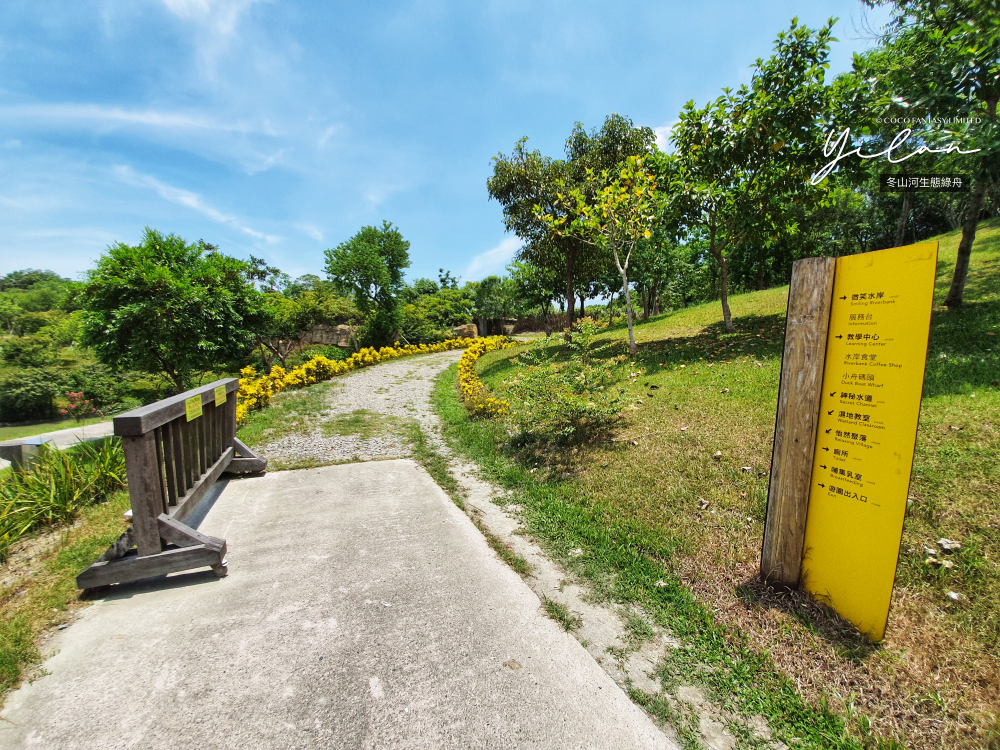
<point x="146" y="418"/>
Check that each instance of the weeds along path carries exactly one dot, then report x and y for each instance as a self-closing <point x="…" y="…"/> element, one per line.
<point x="362" y="416"/>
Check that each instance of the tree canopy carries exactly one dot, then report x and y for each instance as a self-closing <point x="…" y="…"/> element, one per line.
<point x="168" y="307"/>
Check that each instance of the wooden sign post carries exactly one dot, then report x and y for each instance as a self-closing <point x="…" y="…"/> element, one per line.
<point x="843" y="452"/>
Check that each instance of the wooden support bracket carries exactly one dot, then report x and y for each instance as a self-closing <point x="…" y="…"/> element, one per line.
<point x="245" y="461"/>
<point x="185" y="549"/>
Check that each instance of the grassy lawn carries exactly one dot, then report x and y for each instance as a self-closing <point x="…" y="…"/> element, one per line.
<point x="39" y="601"/>
<point x="10" y="432"/>
<point x="656" y="504"/>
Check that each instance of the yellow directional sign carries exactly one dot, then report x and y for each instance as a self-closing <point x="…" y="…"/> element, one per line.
<point x="875" y="357"/>
<point x="192" y="407"/>
<point x="220" y="395"/>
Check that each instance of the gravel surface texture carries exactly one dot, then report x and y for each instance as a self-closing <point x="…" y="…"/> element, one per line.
<point x="400" y="389"/>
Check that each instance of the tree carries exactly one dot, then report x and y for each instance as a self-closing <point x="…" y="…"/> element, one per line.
<point x="492" y="301"/>
<point x="741" y="159"/>
<point x="527" y="179"/>
<point x="623" y="211"/>
<point x="369" y="266"/>
<point x="960" y="76"/>
<point x="286" y="319"/>
<point x="168" y="307"/>
<point x="535" y="286"/>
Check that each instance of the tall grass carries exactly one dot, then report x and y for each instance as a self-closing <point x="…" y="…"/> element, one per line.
<point x="57" y="486"/>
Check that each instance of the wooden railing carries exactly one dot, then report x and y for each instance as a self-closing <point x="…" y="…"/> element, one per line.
<point x="175" y="449"/>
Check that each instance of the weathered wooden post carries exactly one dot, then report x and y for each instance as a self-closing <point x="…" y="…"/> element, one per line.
<point x="807" y="322"/>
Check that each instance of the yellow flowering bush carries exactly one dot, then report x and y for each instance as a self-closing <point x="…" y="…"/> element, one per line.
<point x="477" y="397"/>
<point x="256" y="391"/>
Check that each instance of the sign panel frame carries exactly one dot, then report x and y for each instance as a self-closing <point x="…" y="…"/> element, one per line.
<point x="876" y="357"/>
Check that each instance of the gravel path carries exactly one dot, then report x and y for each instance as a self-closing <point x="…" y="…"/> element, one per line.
<point x="400" y="389"/>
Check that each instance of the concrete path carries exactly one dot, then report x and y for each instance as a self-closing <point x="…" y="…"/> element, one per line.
<point x="362" y="610"/>
<point x="68" y="437"/>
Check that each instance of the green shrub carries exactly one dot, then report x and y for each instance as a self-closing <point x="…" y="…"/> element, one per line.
<point x="28" y="323"/>
<point x="564" y="402"/>
<point x="29" y="351"/>
<point x="28" y="394"/>
<point x="57" y="486"/>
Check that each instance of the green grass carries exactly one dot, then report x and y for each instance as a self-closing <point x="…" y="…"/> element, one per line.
<point x="634" y="509"/>
<point x="361" y="422"/>
<point x="10" y="432"/>
<point x="561" y="614"/>
<point x="39" y="602"/>
<point x="624" y="562"/>
<point x="289" y="412"/>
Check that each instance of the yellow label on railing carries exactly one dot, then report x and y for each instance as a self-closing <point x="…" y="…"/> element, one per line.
<point x="192" y="407"/>
<point x="220" y="395"/>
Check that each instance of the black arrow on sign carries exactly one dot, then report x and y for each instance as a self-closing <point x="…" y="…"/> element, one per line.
<point x="833" y="393"/>
<point x="822" y="466"/>
<point x="822" y="485"/>
<point x="826" y="449"/>
<point x="844" y="297"/>
<point x="839" y="337"/>
<point x="828" y="431"/>
<point x="831" y="411"/>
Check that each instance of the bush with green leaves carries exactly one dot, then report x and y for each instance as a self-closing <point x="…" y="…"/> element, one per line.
<point x="29" y="351"/>
<point x="28" y="394"/>
<point x="564" y="402"/>
<point x="57" y="486"/>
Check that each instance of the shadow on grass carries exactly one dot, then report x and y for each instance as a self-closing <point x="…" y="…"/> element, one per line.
<point x="963" y="354"/>
<point x="760" y="336"/>
<point x="814" y="616"/>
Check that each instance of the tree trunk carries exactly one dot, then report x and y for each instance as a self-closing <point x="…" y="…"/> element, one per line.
<point x="954" y="298"/>
<point x="645" y="302"/>
<point x="628" y="311"/>
<point x="611" y="309"/>
<point x="570" y="294"/>
<point x="656" y="298"/>
<point x="904" y="217"/>
<point x="583" y="312"/>
<point x="724" y="291"/>
<point x="482" y="327"/>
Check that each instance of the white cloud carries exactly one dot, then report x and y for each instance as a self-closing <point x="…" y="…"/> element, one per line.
<point x="221" y="14"/>
<point x="310" y="231"/>
<point x="188" y="199"/>
<point x="93" y="114"/>
<point x="492" y="261"/>
<point x="663" y="135"/>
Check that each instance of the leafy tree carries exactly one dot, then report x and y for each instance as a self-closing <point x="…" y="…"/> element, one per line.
<point x="286" y="319"/>
<point x="740" y="159"/>
<point x="446" y="280"/>
<point x="624" y="208"/>
<point x="960" y="76"/>
<point x="493" y="300"/>
<point x="535" y="287"/>
<point x="168" y="307"/>
<point x="370" y="267"/>
<point x="527" y="179"/>
<point x="28" y="393"/>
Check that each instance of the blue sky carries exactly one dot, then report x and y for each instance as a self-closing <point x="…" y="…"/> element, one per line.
<point x="280" y="128"/>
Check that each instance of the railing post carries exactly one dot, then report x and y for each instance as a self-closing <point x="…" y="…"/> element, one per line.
<point x="143" y="472"/>
<point x="810" y="296"/>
